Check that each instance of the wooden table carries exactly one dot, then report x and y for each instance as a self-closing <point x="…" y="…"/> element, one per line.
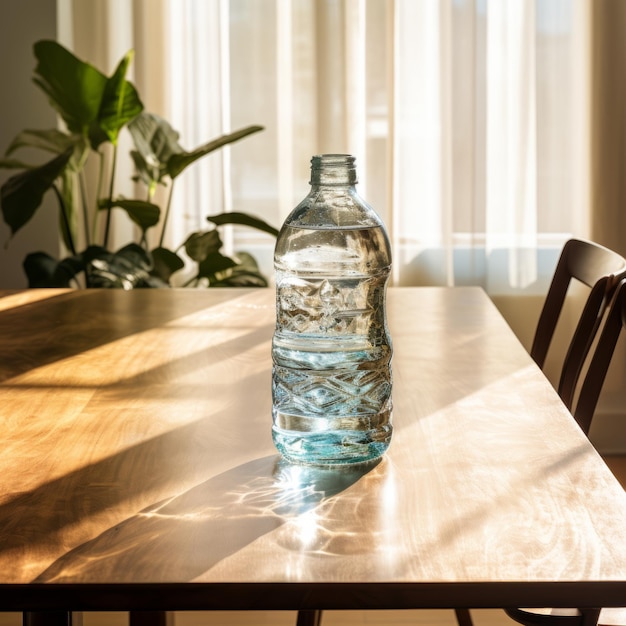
<point x="137" y="469"/>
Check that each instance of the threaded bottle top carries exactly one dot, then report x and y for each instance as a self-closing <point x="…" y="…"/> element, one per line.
<point x="333" y="169"/>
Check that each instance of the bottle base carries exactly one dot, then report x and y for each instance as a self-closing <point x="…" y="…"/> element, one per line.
<point x="331" y="448"/>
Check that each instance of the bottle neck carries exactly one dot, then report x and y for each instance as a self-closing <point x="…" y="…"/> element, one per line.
<point x="337" y="170"/>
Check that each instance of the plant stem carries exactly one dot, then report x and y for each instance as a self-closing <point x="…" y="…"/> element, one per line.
<point x="167" y="213"/>
<point x="83" y="201"/>
<point x="94" y="224"/>
<point x="110" y="201"/>
<point x="66" y="222"/>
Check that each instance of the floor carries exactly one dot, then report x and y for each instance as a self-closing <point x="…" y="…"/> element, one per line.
<point x="277" y="618"/>
<point x="330" y="618"/>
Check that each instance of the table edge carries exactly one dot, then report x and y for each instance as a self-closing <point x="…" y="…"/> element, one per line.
<point x="307" y="596"/>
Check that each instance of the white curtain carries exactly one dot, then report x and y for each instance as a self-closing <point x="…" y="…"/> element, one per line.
<point x="468" y="118"/>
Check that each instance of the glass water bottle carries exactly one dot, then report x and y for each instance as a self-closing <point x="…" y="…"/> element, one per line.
<point x="331" y="351"/>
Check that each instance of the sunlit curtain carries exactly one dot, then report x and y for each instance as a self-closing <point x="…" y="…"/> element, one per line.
<point x="468" y="118"/>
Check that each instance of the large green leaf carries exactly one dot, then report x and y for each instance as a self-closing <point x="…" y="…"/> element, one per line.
<point x="22" y="194"/>
<point x="242" y="219"/>
<point x="91" y="104"/>
<point x="199" y="245"/>
<point x="128" y="268"/>
<point x="177" y="163"/>
<point x="51" y="140"/>
<point x="165" y="263"/>
<point x="15" y="164"/>
<point x="75" y="88"/>
<point x="155" y="142"/>
<point x="245" y="274"/>
<point x="55" y="141"/>
<point x="144" y="214"/>
<point x="42" y="270"/>
<point x="120" y="103"/>
<point x="213" y="264"/>
<point x="241" y="278"/>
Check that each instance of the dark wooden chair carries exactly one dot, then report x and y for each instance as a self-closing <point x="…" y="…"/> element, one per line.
<point x="601" y="359"/>
<point x="601" y="270"/>
<point x="583" y="413"/>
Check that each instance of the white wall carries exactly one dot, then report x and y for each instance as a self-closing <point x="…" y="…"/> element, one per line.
<point x="23" y="105"/>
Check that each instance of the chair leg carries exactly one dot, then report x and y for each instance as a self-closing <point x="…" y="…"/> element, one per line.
<point x="148" y="618"/>
<point x="309" y="618"/>
<point x="463" y="617"/>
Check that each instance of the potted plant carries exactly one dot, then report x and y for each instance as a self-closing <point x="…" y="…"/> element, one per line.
<point x="95" y="109"/>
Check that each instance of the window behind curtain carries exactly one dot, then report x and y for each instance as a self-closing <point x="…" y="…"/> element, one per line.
<point x="416" y="90"/>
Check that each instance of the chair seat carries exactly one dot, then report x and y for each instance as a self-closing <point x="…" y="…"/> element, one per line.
<point x="565" y="617"/>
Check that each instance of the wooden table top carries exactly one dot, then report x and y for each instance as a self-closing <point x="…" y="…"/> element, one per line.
<point x="137" y="468"/>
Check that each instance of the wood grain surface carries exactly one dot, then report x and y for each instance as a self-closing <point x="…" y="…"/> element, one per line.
<point x="137" y="468"/>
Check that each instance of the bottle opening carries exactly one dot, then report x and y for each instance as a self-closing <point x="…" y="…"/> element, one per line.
<point x="333" y="169"/>
<point x="332" y="160"/>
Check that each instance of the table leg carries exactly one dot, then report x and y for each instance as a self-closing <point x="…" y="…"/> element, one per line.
<point x="589" y="617"/>
<point x="463" y="617"/>
<point x="309" y="618"/>
<point x="148" y="618"/>
<point x="47" y="618"/>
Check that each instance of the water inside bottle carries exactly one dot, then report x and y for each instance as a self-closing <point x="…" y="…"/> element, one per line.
<point x="331" y="382"/>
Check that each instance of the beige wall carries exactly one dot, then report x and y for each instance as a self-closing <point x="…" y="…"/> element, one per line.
<point x="23" y="106"/>
<point x="608" y="121"/>
<point x="608" y="188"/>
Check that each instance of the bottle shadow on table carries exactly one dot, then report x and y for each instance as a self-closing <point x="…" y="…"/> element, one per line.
<point x="184" y="536"/>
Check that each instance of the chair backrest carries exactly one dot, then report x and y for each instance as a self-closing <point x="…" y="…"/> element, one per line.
<point x="598" y="268"/>
<point x="599" y="364"/>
